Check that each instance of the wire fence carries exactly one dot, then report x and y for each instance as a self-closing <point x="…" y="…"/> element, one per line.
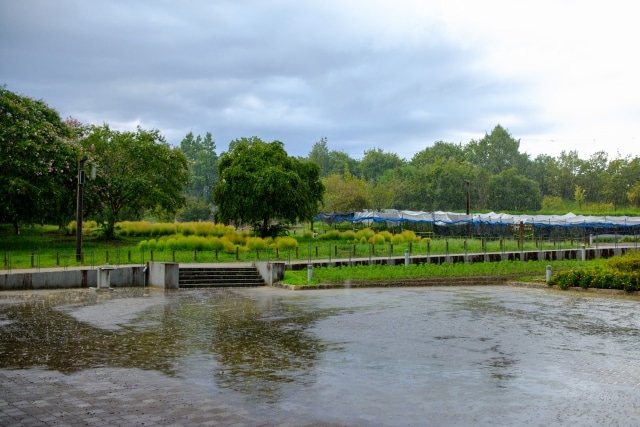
<point x="312" y="250"/>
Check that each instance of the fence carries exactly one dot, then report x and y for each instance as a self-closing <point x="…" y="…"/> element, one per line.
<point x="315" y="250"/>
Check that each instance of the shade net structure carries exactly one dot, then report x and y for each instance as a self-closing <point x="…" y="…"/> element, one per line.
<point x="444" y="224"/>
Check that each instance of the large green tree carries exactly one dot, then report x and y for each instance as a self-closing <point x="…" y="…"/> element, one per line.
<point x="203" y="165"/>
<point x="346" y="193"/>
<point x="134" y="171"/>
<point x="259" y="183"/>
<point x="37" y="162"/>
<point x="203" y="177"/>
<point x="512" y="192"/>
<point x="375" y="162"/>
<point x="497" y="151"/>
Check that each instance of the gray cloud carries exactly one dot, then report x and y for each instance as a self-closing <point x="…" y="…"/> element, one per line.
<point x="291" y="71"/>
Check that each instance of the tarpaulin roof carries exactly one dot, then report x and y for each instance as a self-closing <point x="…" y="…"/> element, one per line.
<point x="492" y="218"/>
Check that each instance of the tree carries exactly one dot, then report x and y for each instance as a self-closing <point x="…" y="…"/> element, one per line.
<point x="134" y="171"/>
<point x="579" y="195"/>
<point x="509" y="191"/>
<point x="203" y="166"/>
<point x="375" y="162"/>
<point x="438" y="152"/>
<point x="259" y="183"/>
<point x="37" y="162"/>
<point x="346" y="193"/>
<point x="497" y="152"/>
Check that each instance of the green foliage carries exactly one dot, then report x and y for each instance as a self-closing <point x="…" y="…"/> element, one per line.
<point x="410" y="236"/>
<point x="346" y="193"/>
<point x="285" y="243"/>
<point x="386" y="235"/>
<point x="259" y="182"/>
<point x="257" y="243"/>
<point x="367" y="233"/>
<point x="348" y="235"/>
<point x="396" y="239"/>
<point x="134" y="171"/>
<point x="599" y="279"/>
<point x="377" y="239"/>
<point x="203" y="169"/>
<point x="330" y="235"/>
<point x="510" y="191"/>
<point x="38" y="163"/>
<point x="628" y="262"/>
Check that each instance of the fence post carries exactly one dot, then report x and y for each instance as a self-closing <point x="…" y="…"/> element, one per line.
<point x="237" y="253"/>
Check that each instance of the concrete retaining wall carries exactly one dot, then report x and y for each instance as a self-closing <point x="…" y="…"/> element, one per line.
<point x="271" y="272"/>
<point x="127" y="276"/>
<point x="164" y="274"/>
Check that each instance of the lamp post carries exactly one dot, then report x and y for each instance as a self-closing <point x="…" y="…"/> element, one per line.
<point x="81" y="178"/>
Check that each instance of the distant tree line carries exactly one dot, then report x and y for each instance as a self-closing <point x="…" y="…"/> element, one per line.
<point x="138" y="174"/>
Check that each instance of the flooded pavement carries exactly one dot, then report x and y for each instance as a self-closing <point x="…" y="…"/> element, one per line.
<point x="264" y="356"/>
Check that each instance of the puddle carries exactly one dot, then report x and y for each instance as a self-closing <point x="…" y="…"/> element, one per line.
<point x="441" y="356"/>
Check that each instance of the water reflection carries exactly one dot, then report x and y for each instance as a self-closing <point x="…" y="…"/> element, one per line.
<point x="250" y="345"/>
<point x="442" y="356"/>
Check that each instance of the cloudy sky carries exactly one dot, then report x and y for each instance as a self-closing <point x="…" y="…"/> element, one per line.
<point x="391" y="74"/>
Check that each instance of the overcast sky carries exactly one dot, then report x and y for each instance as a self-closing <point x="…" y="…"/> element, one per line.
<point x="396" y="75"/>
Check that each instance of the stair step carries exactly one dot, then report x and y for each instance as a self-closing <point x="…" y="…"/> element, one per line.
<point x="193" y="277"/>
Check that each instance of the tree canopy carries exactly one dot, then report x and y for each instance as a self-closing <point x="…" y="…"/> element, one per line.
<point x="259" y="183"/>
<point x="134" y="171"/>
<point x="37" y="162"/>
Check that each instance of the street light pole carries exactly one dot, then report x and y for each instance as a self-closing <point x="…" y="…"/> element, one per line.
<point x="81" y="178"/>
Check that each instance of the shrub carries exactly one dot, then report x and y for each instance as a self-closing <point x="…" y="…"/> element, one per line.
<point x="213" y="243"/>
<point x="254" y="243"/>
<point x="628" y="262"/>
<point x="377" y="239"/>
<point x="330" y="235"/>
<point x="229" y="247"/>
<point x="410" y="236"/>
<point x="285" y="243"/>
<point x="348" y="235"/>
<point x="397" y="239"/>
<point x="366" y="232"/>
<point x="386" y="235"/>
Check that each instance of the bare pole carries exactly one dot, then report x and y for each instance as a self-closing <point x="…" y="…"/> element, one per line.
<point x="468" y="197"/>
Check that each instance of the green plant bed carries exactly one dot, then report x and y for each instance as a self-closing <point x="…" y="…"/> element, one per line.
<point x="619" y="272"/>
<point x="526" y="271"/>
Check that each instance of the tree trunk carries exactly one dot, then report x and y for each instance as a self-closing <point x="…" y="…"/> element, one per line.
<point x="16" y="227"/>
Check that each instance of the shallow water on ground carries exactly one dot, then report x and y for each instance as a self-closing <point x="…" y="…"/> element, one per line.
<point x="409" y="356"/>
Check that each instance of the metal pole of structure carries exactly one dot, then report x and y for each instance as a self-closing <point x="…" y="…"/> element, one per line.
<point x="468" y="198"/>
<point x="81" y="178"/>
<point x="466" y="181"/>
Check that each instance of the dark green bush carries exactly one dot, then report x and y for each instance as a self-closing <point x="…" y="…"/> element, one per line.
<point x="599" y="279"/>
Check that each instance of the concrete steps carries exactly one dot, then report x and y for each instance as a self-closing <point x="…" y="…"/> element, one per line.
<point x="224" y="277"/>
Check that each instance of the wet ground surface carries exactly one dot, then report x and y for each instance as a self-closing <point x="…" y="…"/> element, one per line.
<point x="392" y="357"/>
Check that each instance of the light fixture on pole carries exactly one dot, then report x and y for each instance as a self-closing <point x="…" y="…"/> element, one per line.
<point x="81" y="178"/>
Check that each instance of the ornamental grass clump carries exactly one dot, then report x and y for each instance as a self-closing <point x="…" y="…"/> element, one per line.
<point x="386" y="235"/>
<point x="366" y="233"/>
<point x="286" y="243"/>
